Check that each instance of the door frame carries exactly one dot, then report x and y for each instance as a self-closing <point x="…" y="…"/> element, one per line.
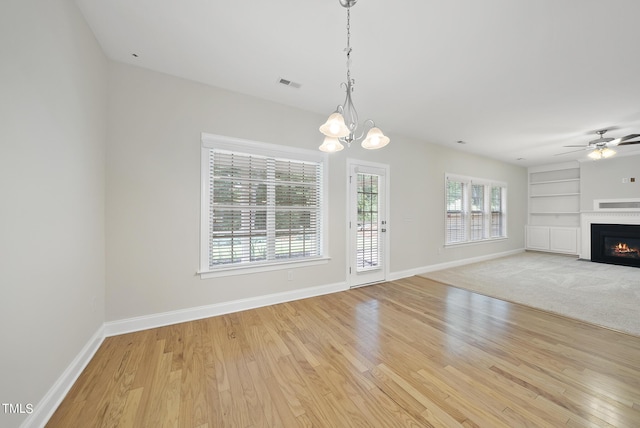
<point x="385" y="236"/>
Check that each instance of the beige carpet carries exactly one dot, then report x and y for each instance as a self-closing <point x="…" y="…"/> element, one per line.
<point x="601" y="294"/>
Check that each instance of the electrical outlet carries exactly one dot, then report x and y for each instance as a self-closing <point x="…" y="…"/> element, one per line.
<point x="290" y="275"/>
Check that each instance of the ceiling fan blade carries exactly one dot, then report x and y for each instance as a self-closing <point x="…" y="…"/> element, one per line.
<point x="628" y="143"/>
<point x="626" y="140"/>
<point x="572" y="151"/>
<point x="578" y="145"/>
<point x="618" y="141"/>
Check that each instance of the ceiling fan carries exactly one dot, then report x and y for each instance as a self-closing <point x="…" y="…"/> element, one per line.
<point x="601" y="146"/>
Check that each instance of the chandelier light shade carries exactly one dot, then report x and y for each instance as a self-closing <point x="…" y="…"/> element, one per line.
<point x="331" y="145"/>
<point x="335" y="127"/>
<point x="342" y="126"/>
<point x="375" y="139"/>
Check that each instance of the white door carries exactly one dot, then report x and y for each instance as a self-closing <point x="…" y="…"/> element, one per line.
<point x="367" y="223"/>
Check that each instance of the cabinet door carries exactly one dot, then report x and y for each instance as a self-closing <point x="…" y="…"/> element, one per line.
<point x="538" y="238"/>
<point x="564" y="240"/>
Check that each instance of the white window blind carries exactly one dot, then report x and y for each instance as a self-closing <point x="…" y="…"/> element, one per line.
<point x="498" y="215"/>
<point x="456" y="222"/>
<point x="478" y="212"/>
<point x="475" y="209"/>
<point x="262" y="208"/>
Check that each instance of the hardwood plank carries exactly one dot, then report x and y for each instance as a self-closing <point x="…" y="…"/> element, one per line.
<point x="170" y="409"/>
<point x="406" y="353"/>
<point x="128" y="417"/>
<point x="158" y="391"/>
<point x="205" y="404"/>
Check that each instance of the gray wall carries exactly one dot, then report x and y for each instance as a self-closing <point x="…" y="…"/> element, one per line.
<point x="603" y="179"/>
<point x="53" y="81"/>
<point x="153" y="199"/>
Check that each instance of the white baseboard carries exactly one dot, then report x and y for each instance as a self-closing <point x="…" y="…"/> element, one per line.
<point x="52" y="399"/>
<point x="431" y="268"/>
<point x="114" y="328"/>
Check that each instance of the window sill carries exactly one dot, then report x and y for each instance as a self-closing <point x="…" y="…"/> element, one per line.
<point x="267" y="267"/>
<point x="479" y="241"/>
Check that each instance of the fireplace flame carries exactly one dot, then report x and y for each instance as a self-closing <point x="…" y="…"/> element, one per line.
<point x="623" y="249"/>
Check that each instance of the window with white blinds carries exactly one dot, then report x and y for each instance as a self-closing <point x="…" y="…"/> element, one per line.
<point x="456" y="227"/>
<point x="475" y="209"/>
<point x="263" y="205"/>
<point x="498" y="212"/>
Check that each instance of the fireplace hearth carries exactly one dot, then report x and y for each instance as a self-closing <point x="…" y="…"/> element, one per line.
<point x="615" y="244"/>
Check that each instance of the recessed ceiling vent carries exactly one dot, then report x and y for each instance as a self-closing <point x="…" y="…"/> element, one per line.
<point x="289" y="83"/>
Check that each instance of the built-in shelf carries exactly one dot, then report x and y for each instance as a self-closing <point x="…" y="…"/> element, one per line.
<point x="555" y="181"/>
<point x="554" y="208"/>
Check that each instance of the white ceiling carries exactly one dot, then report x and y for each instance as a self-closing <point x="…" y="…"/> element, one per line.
<point x="511" y="78"/>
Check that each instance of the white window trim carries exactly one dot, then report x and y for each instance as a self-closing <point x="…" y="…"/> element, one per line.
<point x="212" y="141"/>
<point x="266" y="267"/>
<point x="488" y="183"/>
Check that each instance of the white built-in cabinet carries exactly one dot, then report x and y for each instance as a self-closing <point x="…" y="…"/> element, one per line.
<point x="554" y="208"/>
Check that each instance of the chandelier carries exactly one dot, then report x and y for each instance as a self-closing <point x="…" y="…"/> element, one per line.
<point x="342" y="125"/>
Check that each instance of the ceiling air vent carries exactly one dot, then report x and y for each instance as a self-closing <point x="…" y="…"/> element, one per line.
<point x="289" y="83"/>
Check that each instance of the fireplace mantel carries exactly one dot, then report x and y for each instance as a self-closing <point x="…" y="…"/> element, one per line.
<point x="602" y="217"/>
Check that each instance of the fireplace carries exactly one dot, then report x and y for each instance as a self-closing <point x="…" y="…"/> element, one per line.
<point x="617" y="244"/>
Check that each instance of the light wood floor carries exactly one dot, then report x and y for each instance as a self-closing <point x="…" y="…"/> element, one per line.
<point x="411" y="352"/>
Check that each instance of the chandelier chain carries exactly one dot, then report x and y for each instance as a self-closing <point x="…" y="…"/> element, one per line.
<point x="348" y="48"/>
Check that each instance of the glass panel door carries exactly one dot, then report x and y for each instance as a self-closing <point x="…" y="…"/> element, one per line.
<point x="367" y="224"/>
<point x="367" y="248"/>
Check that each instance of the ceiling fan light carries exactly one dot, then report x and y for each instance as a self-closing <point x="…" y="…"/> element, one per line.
<point x="375" y="139"/>
<point x="331" y="145"/>
<point x="601" y="153"/>
<point x="595" y="155"/>
<point x="335" y="127"/>
<point x="607" y="152"/>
